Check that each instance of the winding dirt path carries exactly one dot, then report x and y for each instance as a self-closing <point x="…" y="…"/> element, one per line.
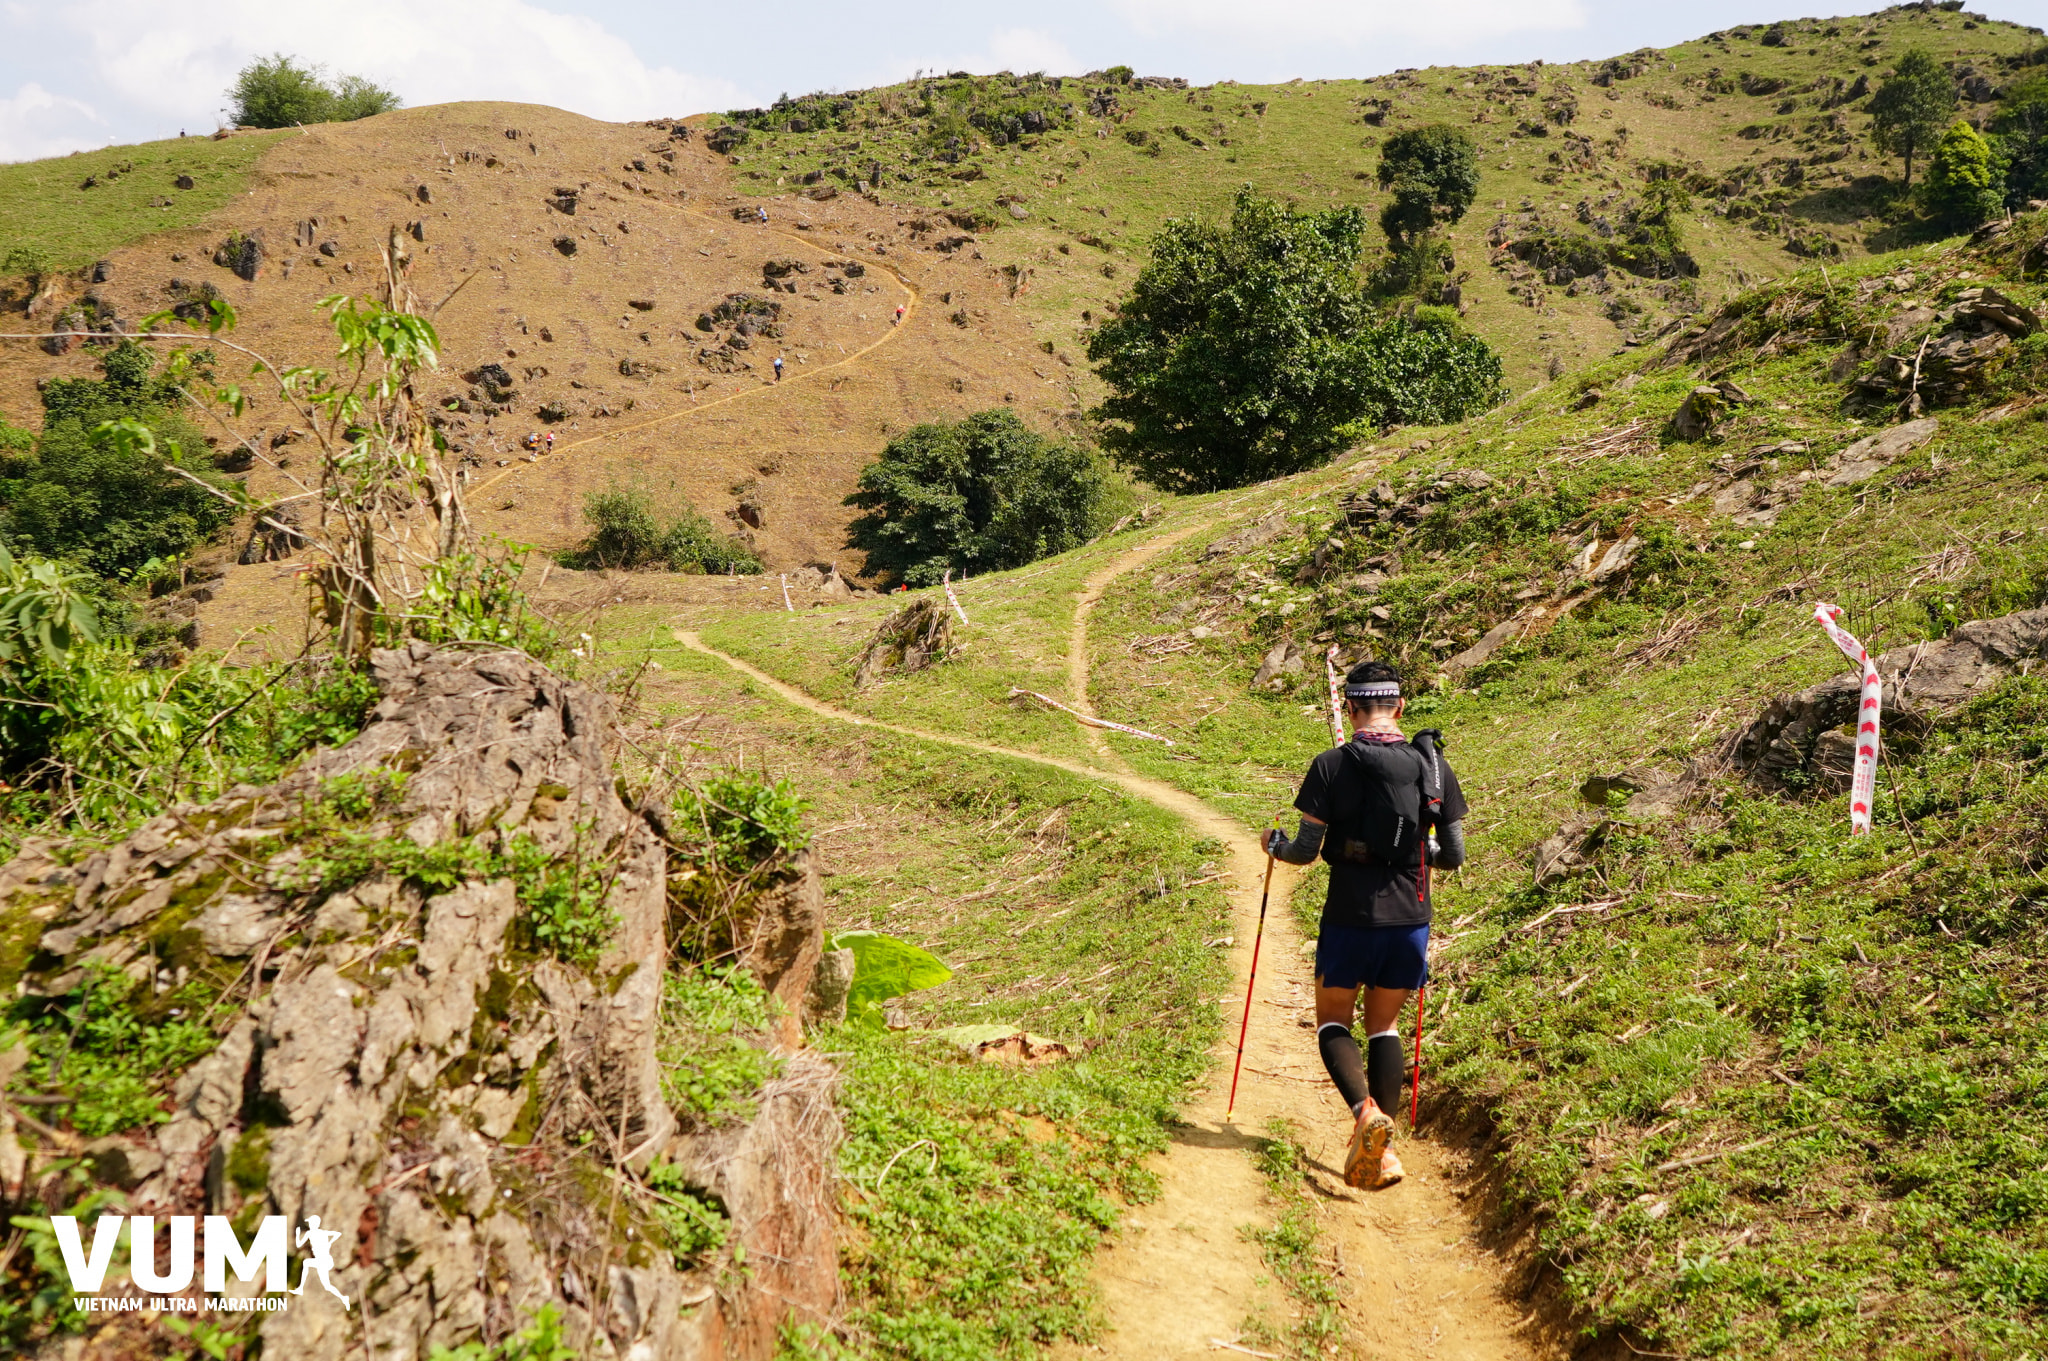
<point x="1180" y="1279"/>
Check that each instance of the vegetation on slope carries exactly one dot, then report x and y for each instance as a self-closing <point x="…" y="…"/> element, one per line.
<point x="1767" y="122"/>
<point x="69" y="211"/>
<point x="1761" y="1088"/>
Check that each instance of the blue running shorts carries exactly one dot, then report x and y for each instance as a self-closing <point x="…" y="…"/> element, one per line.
<point x="1373" y="956"/>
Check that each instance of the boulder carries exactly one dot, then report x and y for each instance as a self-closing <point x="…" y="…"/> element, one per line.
<point x="242" y="253"/>
<point x="1283" y="660"/>
<point x="392" y="1069"/>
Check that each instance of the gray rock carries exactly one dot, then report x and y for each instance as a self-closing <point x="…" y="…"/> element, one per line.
<point x="122" y="1162"/>
<point x="826" y="1003"/>
<point x="1869" y="456"/>
<point x="238" y="924"/>
<point x="1284" y="659"/>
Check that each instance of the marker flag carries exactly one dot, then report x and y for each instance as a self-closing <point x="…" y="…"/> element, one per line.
<point x="1863" y="783"/>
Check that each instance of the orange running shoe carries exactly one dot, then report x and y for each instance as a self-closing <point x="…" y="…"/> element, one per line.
<point x="1368" y="1141"/>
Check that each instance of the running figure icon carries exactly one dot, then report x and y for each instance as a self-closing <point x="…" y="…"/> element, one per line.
<point x="322" y="1260"/>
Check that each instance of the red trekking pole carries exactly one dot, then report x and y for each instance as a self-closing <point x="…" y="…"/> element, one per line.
<point x="1415" y="1092"/>
<point x="1245" y="1025"/>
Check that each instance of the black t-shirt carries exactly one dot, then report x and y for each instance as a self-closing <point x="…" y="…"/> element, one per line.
<point x="1375" y="894"/>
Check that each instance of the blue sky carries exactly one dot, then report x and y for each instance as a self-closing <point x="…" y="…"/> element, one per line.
<point x="85" y="73"/>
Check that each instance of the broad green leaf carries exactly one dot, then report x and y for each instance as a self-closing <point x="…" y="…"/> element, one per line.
<point x="885" y="967"/>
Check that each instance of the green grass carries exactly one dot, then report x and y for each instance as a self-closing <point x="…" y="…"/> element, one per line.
<point x="976" y="1195"/>
<point x="46" y="210"/>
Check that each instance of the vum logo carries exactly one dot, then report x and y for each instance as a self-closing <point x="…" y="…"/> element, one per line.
<point x="217" y="1252"/>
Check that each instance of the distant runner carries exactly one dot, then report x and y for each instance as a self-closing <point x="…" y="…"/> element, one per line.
<point x="778" y="368"/>
<point x="1380" y="810"/>
<point x="899" y="314"/>
<point x="551" y="441"/>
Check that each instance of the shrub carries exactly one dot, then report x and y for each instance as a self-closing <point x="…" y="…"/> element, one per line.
<point x="1249" y="350"/>
<point x="85" y="496"/>
<point x="980" y="494"/>
<point x="277" y="92"/>
<point x="1964" y="184"/>
<point x="626" y="534"/>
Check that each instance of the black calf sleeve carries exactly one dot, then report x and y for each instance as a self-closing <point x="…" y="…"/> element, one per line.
<point x="1385" y="1068"/>
<point x="1340" y="1057"/>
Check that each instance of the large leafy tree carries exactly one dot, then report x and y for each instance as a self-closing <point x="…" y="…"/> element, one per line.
<point x="978" y="495"/>
<point x="278" y="92"/>
<point x="107" y="504"/>
<point x="1431" y="175"/>
<point x="1965" y="185"/>
<point x="1912" y="107"/>
<point x="1246" y="348"/>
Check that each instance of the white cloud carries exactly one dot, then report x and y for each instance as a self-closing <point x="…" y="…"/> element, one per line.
<point x="1453" y="23"/>
<point x="1018" y="50"/>
<point x="36" y="123"/>
<point x="175" y="61"/>
<point x="1030" y="49"/>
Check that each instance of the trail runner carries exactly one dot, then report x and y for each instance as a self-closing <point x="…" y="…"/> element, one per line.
<point x="1366" y="808"/>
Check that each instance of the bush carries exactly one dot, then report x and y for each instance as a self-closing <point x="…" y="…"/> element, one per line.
<point x="625" y="534"/>
<point x="978" y="495"/>
<point x="277" y="92"/>
<point x="104" y="503"/>
<point x="1965" y="185"/>
<point x="1249" y="350"/>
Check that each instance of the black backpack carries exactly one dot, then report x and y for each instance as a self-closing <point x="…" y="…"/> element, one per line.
<point x="1403" y="790"/>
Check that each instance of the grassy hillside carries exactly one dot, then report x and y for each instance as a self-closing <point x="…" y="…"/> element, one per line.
<point x="1761" y="117"/>
<point x="1756" y="1087"/>
<point x="77" y="208"/>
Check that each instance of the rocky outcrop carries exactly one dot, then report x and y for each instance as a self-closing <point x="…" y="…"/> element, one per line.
<point x="410" y="1060"/>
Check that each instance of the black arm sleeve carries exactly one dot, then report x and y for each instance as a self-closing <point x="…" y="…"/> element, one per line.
<point x="1450" y="846"/>
<point x="1303" y="848"/>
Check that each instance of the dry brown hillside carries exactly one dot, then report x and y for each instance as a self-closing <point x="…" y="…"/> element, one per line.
<point x="590" y="301"/>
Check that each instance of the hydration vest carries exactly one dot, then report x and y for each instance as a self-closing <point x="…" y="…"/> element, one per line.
<point x="1401" y="798"/>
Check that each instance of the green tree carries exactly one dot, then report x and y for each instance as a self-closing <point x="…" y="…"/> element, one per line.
<point x="977" y="495"/>
<point x="277" y="92"/>
<point x="1246" y="350"/>
<point x="2022" y="130"/>
<point x="1911" y="108"/>
<point x="1965" y="184"/>
<point x="1432" y="174"/>
<point x="105" y="503"/>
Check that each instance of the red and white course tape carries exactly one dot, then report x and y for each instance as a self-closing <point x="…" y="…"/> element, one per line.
<point x="1863" y="783"/>
<point x="1090" y="719"/>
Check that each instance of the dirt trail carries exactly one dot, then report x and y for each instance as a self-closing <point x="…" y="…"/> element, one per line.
<point x="1180" y="1279"/>
<point x="912" y="297"/>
